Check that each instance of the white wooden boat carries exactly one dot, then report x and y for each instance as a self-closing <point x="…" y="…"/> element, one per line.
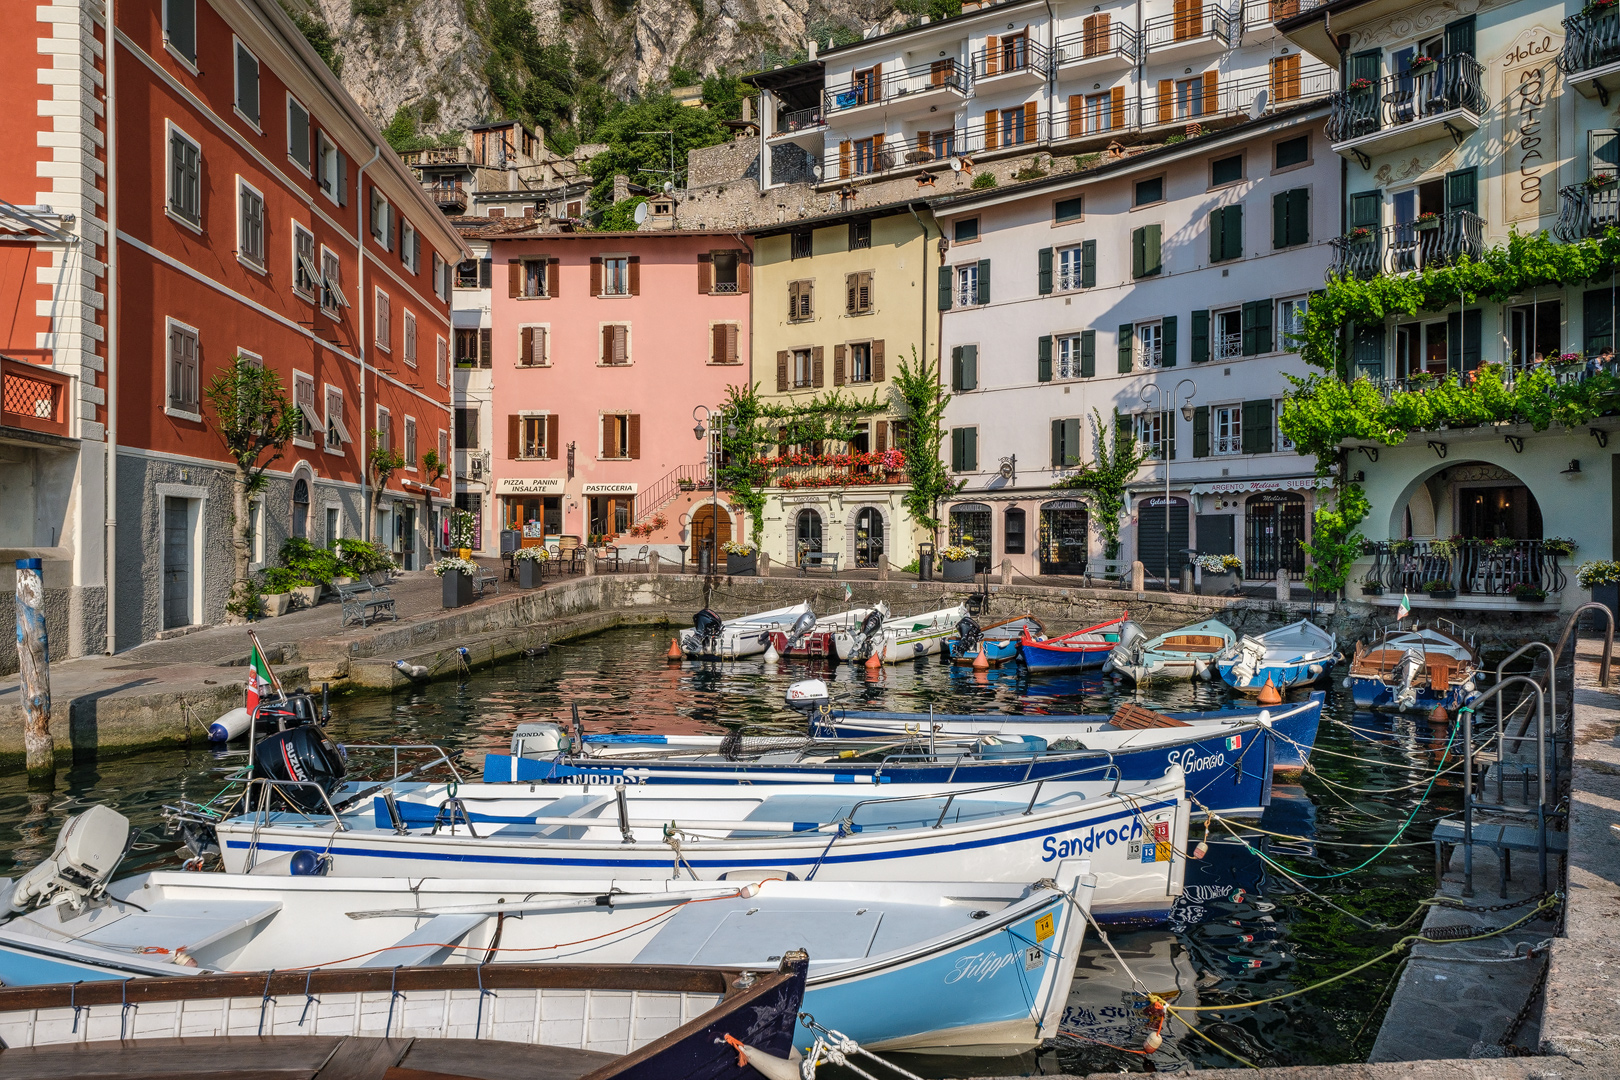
<point x="1417" y="669"/>
<point x="1186" y="653"/>
<point x="1292" y="655"/>
<point x="732" y="639"/>
<point x="903" y="638"/>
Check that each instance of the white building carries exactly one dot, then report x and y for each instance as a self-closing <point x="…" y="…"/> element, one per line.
<point x="1182" y="268"/>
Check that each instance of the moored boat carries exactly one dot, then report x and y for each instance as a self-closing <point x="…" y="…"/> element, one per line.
<point x="902" y="638"/>
<point x="998" y="641"/>
<point x="1418" y="669"/>
<point x="1076" y="650"/>
<point x="712" y="638"/>
<point x="816" y="643"/>
<point x="1186" y="653"/>
<point x="1294" y="655"/>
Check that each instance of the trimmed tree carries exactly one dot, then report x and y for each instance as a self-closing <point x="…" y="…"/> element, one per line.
<point x="918" y="389"/>
<point x="432" y="471"/>
<point x="383" y="461"/>
<point x="255" y="418"/>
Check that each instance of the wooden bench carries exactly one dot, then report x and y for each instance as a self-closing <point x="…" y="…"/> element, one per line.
<point x="1503" y="839"/>
<point x="823" y="559"/>
<point x="364" y="601"/>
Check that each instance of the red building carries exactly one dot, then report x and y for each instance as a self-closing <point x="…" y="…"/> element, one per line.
<point x="211" y="191"/>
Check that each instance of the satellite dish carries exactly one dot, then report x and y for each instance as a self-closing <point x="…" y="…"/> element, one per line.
<point x="815" y="170"/>
<point x="956" y="163"/>
<point x="669" y="185"/>
<point x="641" y="213"/>
<point x="1258" y="109"/>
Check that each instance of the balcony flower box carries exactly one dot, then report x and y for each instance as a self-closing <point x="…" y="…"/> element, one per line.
<point x="1421" y="65"/>
<point x="1425" y="222"/>
<point x="1602" y="181"/>
<point x="1359" y="85"/>
<point x="1359" y="235"/>
<point x="1440" y="590"/>
<point x="1525" y="593"/>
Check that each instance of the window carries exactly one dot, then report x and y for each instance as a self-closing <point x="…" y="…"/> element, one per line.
<point x="723" y="344"/>
<point x="965" y="449"/>
<point x="444" y="448"/>
<point x="621" y="436"/>
<point x="1072" y="356"/>
<point x="410" y="338"/>
<point x="1017" y="125"/>
<point x="1226" y="170"/>
<point x="964" y="232"/>
<point x="1077" y="266"/>
<point x="381" y="220"/>
<point x="1066" y="210"/>
<point x="1226" y="429"/>
<point x="337" y="433"/>
<point x="185" y="177"/>
<point x="800" y="244"/>
<point x="249" y="225"/>
<point x="1295" y="151"/>
<point x="443" y="369"/>
<point x="858" y="293"/>
<point x="534" y="282"/>
<point x="1283" y="441"/>
<point x="1104" y="111"/>
<point x="1145" y="254"/>
<point x="383" y="320"/>
<point x="803" y="368"/>
<point x="1257" y="327"/>
<point x="1149" y="344"/>
<point x="180" y="27"/>
<point x="467" y="429"/>
<point x="1156" y="432"/>
<point x="1291" y="323"/>
<point x="410" y="443"/>
<point x="333" y="527"/>
<point x="307" y="422"/>
<point x="1291" y="218"/>
<point x="247" y="84"/>
<point x="184" y="357"/>
<point x="616" y="344"/>
<point x="306" y="279"/>
<point x="1226" y="233"/>
<point x="1149" y="191"/>
<point x="1228" y="331"/>
<point x="1284" y="79"/>
<point x="860" y="362"/>
<point x="441" y="278"/>
<point x="1012" y="533"/>
<point x="532" y="346"/>
<point x="332" y="297"/>
<point x="1065" y="443"/>
<point x="410" y="247"/>
<point x="865" y="155"/>
<point x="1189" y="98"/>
<point x="467" y="274"/>
<point x="532" y="437"/>
<point x="723" y="264"/>
<point x="385" y="430"/>
<point x="967" y="284"/>
<point x="328" y="168"/>
<point x="868" y="85"/>
<point x="801" y="296"/>
<point x="860" y="235"/>
<point x="616" y="276"/>
<point x="298" y="133"/>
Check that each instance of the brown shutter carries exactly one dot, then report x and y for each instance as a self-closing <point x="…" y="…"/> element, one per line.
<point x="793" y="300"/>
<point x="635" y="435"/>
<point x="851" y="289"/>
<point x="553" y="447"/>
<point x="1166" y="101"/>
<point x="992" y="57"/>
<point x="877" y="360"/>
<point x="731" y="343"/>
<point x="540" y="345"/>
<point x="635" y="275"/>
<point x="526" y="348"/>
<point x="514" y="279"/>
<point x="843" y="159"/>
<point x="621" y="344"/>
<point x="717" y="343"/>
<point x="838" y="365"/>
<point x="607" y="344"/>
<point x="818" y="377"/>
<point x="486" y="346"/>
<point x="1212" y="95"/>
<point x="705" y="273"/>
<point x="1117" y="95"/>
<point x="553" y="273"/>
<point x="514" y="436"/>
<point x="745" y="271"/>
<point x="881" y="435"/>
<point x="596" y="275"/>
<point x="1031" y="123"/>
<point x="1077" y="112"/>
<point x="781" y="371"/>
<point x="992" y="130"/>
<point x="610" y="432"/>
<point x="877" y="150"/>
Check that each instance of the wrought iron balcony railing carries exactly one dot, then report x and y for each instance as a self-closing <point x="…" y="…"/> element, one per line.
<point x="867" y="89"/>
<point x="1471" y="567"/>
<point x="1413" y="96"/>
<point x="1009" y="57"/>
<point x="1399" y="249"/>
<point x="1585" y="211"/>
<point x="1192" y="22"/>
<point x="1590" y="41"/>
<point x="447" y="195"/>
<point x="1114" y="39"/>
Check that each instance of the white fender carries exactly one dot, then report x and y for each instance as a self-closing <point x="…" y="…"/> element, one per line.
<point x="229" y="725"/>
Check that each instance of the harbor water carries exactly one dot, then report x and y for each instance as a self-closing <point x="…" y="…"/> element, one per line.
<point x="1353" y="837"/>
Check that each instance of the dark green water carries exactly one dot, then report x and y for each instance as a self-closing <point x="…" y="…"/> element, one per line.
<point x="1220" y="949"/>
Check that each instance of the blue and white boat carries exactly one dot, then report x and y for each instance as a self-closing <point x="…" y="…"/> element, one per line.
<point x="1187" y="653"/>
<point x="902" y="638"/>
<point x="949" y="966"/>
<point x="999" y="641"/>
<point x="1076" y="650"/>
<point x="1294" y="655"/>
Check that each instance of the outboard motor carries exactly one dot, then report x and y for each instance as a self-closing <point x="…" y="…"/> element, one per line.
<point x="968" y="634"/>
<point x="541" y="739"/>
<point x="808" y="696"/>
<point x="303" y="754"/>
<point x="801" y="627"/>
<point x="88" y="850"/>
<point x="871" y="626"/>
<point x="706" y="624"/>
<point x="298" y="710"/>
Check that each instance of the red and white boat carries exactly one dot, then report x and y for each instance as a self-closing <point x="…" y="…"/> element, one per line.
<point x="817" y="643"/>
<point x="1077" y="650"/>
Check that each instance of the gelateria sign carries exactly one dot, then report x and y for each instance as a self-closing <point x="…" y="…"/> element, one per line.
<point x="1529" y="125"/>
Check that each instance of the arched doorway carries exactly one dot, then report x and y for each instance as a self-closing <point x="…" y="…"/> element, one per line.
<point x="868" y="536"/>
<point x="1273" y="530"/>
<point x="970" y="527"/>
<point x="703" y="529"/>
<point x="300" y="508"/>
<point x="806" y="533"/>
<point x="1064" y="537"/>
<point x="1495" y="524"/>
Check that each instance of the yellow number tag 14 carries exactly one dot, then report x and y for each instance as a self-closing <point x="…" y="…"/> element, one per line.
<point x="1043" y="927"/>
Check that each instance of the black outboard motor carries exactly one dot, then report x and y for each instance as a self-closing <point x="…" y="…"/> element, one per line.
<point x="302" y="754"/>
<point x="866" y="635"/>
<point x="968" y="634"/>
<point x="707" y="626"/>
<point x="299" y="709"/>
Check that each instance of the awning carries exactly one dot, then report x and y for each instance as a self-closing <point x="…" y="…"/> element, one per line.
<point x="1232" y="487"/>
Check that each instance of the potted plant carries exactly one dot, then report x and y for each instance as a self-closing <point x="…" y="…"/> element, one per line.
<point x="463" y="532"/>
<point x="1358" y="85"/>
<point x="1420" y="65"/>
<point x="1528" y="593"/>
<point x="1602" y="578"/>
<point x="1228" y="565"/>
<point x="1440" y="589"/>
<point x="741" y="558"/>
<point x="958" y="560"/>
<point x="1558" y="546"/>
<point x="1401" y="547"/>
<point x="1601" y="181"/>
<point x="1443" y="549"/>
<point x="276" y="592"/>
<point x="457" y="576"/>
<point x="1371" y="586"/>
<point x="530" y="563"/>
<point x="1426" y="220"/>
<point x="1359" y="235"/>
<point x="686" y="484"/>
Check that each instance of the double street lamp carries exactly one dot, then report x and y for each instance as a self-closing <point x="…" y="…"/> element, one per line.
<point x="705" y="427"/>
<point x="1154" y="392"/>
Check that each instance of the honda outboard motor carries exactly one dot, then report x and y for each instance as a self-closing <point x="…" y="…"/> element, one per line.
<point x="299" y="709"/>
<point x="866" y="635"/>
<point x="801" y="627"/>
<point x="304" y="755"/>
<point x="968" y="633"/>
<point x="706" y="624"/>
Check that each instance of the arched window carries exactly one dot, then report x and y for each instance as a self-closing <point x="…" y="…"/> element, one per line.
<point x="868" y="536"/>
<point x="300" y="508"/>
<point x="1064" y="537"/>
<point x="806" y="533"/>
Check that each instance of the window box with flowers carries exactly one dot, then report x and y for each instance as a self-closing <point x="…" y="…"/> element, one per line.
<point x="1440" y="589"/>
<point x="456" y="576"/>
<point x="1359" y="235"/>
<point x="531" y="564"/>
<point x="741" y="558"/>
<point x="1426" y="221"/>
<point x="1527" y="593"/>
<point x="1421" y="65"/>
<point x="958" y="562"/>
<point x="1359" y="85"/>
<point x="1602" y="181"/>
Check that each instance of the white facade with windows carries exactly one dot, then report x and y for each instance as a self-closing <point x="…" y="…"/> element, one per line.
<point x="1193" y="262"/>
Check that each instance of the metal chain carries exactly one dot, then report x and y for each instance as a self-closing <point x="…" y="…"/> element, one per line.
<point x="1452" y="905"/>
<point x="1512" y="1030"/>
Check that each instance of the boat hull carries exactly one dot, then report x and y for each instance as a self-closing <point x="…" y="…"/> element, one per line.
<point x="1282" y="676"/>
<point x="996" y="653"/>
<point x="1372" y="692"/>
<point x="1044" y="656"/>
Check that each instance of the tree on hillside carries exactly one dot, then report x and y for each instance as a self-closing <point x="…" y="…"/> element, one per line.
<point x="532" y="80"/>
<point x="645" y="159"/>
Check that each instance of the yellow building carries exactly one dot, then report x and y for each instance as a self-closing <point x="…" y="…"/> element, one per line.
<point x="839" y="303"/>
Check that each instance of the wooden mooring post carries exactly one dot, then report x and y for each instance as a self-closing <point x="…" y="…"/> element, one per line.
<point x="34" y="670"/>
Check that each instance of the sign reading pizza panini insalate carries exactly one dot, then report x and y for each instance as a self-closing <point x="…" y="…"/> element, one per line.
<point x="529" y="485"/>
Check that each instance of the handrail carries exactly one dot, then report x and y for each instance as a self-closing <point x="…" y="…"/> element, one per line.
<point x="1570" y="628"/>
<point x="1466" y="716"/>
<point x="1111" y="766"/>
<point x="1552" y="685"/>
<point x="261" y="812"/>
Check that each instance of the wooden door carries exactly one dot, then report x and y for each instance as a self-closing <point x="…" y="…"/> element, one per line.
<point x="703" y="529"/>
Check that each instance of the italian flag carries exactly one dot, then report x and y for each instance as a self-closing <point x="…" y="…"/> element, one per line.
<point x="1235" y="742"/>
<point x="260" y="677"/>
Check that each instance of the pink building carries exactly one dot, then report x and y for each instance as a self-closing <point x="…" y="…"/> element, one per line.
<point x="604" y="343"/>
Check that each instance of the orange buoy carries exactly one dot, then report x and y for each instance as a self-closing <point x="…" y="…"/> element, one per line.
<point x="981" y="662"/>
<point x="1269" y="695"/>
<point x="1439" y="715"/>
<point x="674" y="649"/>
<point x="875" y="661"/>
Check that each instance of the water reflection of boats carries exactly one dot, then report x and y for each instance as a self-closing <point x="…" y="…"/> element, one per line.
<point x="1106" y="1009"/>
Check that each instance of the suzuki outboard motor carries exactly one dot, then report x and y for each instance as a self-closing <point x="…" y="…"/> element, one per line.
<point x="801" y="627"/>
<point x="866" y="635"/>
<point x="706" y="624"/>
<point x="968" y="633"/>
<point x="305" y="755"/>
<point x="299" y="709"/>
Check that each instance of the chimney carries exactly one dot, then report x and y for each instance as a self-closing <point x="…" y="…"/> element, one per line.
<point x="812" y="49"/>
<point x="621" y="188"/>
<point x="747" y="108"/>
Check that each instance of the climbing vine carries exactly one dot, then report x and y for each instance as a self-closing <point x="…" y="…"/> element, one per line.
<point x="1104" y="478"/>
<point x="917" y="386"/>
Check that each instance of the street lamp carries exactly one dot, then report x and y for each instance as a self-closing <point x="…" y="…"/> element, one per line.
<point x="703" y="428"/>
<point x="1155" y="392"/>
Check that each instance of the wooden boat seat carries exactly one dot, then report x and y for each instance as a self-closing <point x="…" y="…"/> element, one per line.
<point x="1442" y="669"/>
<point x="1195" y="643"/>
<point x="1129" y="717"/>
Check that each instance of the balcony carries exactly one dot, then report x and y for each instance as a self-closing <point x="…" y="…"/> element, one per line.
<point x="33" y="398"/>
<point x="1585" y="211"/>
<point x="1401" y="249"/>
<point x="1484" y="568"/>
<point x="1096" y="49"/>
<point x="865" y="157"/>
<point x="1590" y="58"/>
<point x="943" y="84"/>
<point x="1260" y="15"/>
<point x="1013" y="62"/>
<point x="1191" y="31"/>
<point x="812" y="471"/>
<point x="451" y="197"/>
<point x="1228" y="347"/>
<point x="1445" y="97"/>
<point x="791" y="123"/>
<point x="438" y="156"/>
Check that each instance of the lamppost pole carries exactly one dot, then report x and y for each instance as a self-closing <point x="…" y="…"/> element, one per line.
<point x="708" y="428"/>
<point x="1153" y="391"/>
